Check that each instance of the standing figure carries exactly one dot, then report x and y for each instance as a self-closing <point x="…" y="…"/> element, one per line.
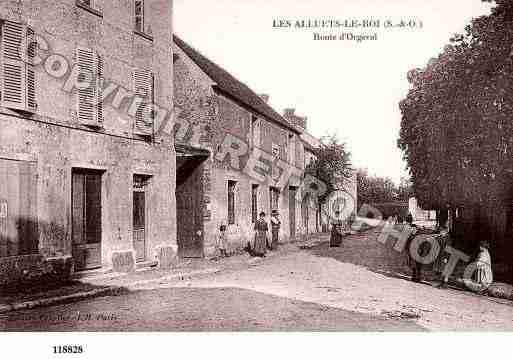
<point x="337" y="227"/>
<point x="415" y="266"/>
<point x="409" y="218"/>
<point x="484" y="274"/>
<point x="222" y="240"/>
<point x="275" y="229"/>
<point x="261" y="229"/>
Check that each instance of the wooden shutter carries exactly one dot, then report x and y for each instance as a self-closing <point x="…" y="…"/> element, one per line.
<point x="13" y="67"/>
<point x="143" y="87"/>
<point x="90" y="109"/>
<point x="99" y="100"/>
<point x="31" y="74"/>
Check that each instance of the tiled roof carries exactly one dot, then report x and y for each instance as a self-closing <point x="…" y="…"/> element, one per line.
<point x="229" y="85"/>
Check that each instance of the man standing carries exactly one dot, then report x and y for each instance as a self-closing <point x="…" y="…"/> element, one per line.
<point x="275" y="229"/>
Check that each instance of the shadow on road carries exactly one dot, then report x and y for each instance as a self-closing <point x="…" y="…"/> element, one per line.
<point x="364" y="250"/>
<point x="197" y="309"/>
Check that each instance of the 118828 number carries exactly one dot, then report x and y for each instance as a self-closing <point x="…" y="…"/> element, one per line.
<point x="68" y="349"/>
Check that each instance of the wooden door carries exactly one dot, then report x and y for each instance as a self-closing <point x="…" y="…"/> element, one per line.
<point x="139" y="224"/>
<point x="189" y="211"/>
<point x="292" y="211"/>
<point x="305" y="212"/>
<point x="18" y="208"/>
<point x="86" y="221"/>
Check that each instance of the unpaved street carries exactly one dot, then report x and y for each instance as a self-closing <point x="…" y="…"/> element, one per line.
<point x="361" y="286"/>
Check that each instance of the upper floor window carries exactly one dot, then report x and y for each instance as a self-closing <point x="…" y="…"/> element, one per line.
<point x="140" y="24"/>
<point x="291" y="147"/>
<point x="139" y="15"/>
<point x="17" y="74"/>
<point x="144" y="84"/>
<point x="255" y="132"/>
<point x="91" y="6"/>
<point x="89" y="96"/>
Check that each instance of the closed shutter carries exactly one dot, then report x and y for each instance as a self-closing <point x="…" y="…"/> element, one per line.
<point x="143" y="87"/>
<point x="90" y="109"/>
<point x="99" y="99"/>
<point x="13" y="67"/>
<point x="31" y="74"/>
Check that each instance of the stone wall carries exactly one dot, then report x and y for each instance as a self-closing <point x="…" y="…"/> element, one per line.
<point x="25" y="271"/>
<point x="55" y="140"/>
<point x="218" y="116"/>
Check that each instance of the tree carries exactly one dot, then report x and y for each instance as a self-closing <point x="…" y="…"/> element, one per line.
<point x="332" y="165"/>
<point x="375" y="189"/>
<point x="456" y="129"/>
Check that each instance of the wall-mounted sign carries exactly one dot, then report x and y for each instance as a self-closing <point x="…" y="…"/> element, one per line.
<point x="3" y="209"/>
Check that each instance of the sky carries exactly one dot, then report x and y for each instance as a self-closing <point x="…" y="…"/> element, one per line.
<point x="344" y="87"/>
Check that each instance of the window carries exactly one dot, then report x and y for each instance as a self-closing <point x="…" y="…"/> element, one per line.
<point x="274" y="195"/>
<point x="255" y="132"/>
<point x="144" y="88"/>
<point x="291" y="149"/>
<point x="231" y="202"/>
<point x="254" y="203"/>
<point x="139" y="15"/>
<point x="276" y="151"/>
<point x="90" y="5"/>
<point x="18" y="208"/>
<point x="18" y="77"/>
<point x="89" y="100"/>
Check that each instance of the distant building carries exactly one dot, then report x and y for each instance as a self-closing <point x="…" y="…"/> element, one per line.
<point x="418" y="213"/>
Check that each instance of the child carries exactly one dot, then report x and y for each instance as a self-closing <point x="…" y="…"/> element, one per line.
<point x="222" y="241"/>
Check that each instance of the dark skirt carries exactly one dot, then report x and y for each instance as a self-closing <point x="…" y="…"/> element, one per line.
<point x="335" y="239"/>
<point x="275" y="238"/>
<point x="260" y="246"/>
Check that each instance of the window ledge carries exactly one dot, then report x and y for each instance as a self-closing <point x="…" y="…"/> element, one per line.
<point x="142" y="34"/>
<point x="90" y="9"/>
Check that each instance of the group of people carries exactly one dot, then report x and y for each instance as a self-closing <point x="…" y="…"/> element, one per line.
<point x="261" y="243"/>
<point x="482" y="276"/>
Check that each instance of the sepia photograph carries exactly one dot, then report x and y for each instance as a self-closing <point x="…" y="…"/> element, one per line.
<point x="237" y="166"/>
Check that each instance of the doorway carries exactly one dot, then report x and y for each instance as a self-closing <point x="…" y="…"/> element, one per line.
<point x="140" y="216"/>
<point x="292" y="211"/>
<point x="86" y="201"/>
<point x="189" y="206"/>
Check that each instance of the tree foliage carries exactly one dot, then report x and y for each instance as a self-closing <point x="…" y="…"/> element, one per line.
<point x="375" y="189"/>
<point x="332" y="164"/>
<point x="457" y="129"/>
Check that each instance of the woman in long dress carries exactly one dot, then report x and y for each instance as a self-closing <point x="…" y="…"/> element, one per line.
<point x="484" y="275"/>
<point x="337" y="227"/>
<point x="261" y="230"/>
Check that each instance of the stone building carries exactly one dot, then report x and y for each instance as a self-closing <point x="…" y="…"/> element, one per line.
<point x="315" y="218"/>
<point x="221" y="125"/>
<point x="84" y="182"/>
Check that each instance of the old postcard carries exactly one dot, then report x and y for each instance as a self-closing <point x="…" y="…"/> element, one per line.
<point x="254" y="166"/>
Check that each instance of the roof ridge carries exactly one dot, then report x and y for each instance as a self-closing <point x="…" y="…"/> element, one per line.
<point x="231" y="85"/>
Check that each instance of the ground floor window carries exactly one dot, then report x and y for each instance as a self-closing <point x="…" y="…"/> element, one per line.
<point x="254" y="203"/>
<point x="274" y="194"/>
<point x="231" y="201"/>
<point x="18" y="208"/>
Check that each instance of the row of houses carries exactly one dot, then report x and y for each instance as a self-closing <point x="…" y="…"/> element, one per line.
<point x="88" y="181"/>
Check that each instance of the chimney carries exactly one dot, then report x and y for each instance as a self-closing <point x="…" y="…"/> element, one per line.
<point x="265" y="97"/>
<point x="290" y="115"/>
<point x="289" y="112"/>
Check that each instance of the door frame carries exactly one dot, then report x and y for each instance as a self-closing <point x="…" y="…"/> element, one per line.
<point x="101" y="172"/>
<point x="145" y="189"/>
